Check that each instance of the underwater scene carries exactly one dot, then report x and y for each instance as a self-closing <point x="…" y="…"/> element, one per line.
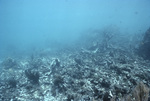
<point x="74" y="50"/>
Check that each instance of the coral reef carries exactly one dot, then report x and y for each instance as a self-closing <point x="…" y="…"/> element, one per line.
<point x="93" y="72"/>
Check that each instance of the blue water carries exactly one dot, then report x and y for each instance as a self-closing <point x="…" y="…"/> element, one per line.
<point x="29" y="24"/>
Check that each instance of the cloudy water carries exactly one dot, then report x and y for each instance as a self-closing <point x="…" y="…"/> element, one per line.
<point x="26" y="25"/>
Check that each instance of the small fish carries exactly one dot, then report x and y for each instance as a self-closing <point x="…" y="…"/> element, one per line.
<point x="135" y="12"/>
<point x="142" y="43"/>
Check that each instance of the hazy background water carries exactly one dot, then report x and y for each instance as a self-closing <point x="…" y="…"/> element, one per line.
<point x="29" y="24"/>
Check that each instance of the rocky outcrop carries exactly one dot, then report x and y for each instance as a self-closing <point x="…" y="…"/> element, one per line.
<point x="144" y="48"/>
